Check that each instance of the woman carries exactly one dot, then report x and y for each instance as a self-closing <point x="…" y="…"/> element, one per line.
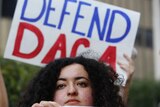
<point x="76" y="81"/>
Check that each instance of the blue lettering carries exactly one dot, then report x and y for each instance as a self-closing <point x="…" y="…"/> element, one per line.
<point x="32" y="19"/>
<point x="47" y="14"/>
<point x="96" y="20"/>
<point x="128" y="22"/>
<point x="79" y="16"/>
<point x="64" y="12"/>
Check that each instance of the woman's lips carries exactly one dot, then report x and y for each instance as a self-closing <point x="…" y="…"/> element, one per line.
<point x="72" y="102"/>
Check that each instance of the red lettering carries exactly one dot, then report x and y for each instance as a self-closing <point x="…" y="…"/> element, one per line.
<point x="23" y="26"/>
<point x="79" y="42"/>
<point x="109" y="56"/>
<point x="60" y="45"/>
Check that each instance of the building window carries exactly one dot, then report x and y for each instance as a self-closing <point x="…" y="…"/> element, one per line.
<point x="8" y="7"/>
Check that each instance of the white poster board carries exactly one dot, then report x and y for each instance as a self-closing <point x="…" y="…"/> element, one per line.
<point x="43" y="30"/>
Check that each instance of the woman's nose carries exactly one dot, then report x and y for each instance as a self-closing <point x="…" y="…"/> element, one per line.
<point x="72" y="90"/>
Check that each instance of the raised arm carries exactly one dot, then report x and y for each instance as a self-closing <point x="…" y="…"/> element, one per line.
<point x="3" y="93"/>
<point x="129" y="69"/>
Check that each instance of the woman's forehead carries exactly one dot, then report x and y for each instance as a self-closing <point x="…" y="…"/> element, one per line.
<point x="73" y="70"/>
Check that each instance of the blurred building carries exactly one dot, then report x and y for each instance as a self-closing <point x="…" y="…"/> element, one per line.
<point x="146" y="41"/>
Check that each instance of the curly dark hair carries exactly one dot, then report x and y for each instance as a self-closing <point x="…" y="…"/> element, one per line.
<point x="102" y="77"/>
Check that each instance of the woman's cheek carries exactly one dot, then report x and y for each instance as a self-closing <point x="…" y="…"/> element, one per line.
<point x="60" y="97"/>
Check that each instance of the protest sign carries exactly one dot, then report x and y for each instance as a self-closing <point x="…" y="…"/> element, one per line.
<point x="44" y="30"/>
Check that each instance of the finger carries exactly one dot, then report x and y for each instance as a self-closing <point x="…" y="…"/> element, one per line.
<point x="37" y="105"/>
<point x="49" y="104"/>
<point x="129" y="69"/>
<point x="127" y="57"/>
<point x="122" y="63"/>
<point x="124" y="67"/>
<point x="130" y="61"/>
<point x="55" y="104"/>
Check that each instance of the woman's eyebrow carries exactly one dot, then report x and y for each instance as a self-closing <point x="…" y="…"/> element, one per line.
<point x="61" y="79"/>
<point x="78" y="78"/>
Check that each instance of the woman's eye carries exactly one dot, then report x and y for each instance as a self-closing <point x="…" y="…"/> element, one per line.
<point x="60" y="86"/>
<point x="82" y="84"/>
